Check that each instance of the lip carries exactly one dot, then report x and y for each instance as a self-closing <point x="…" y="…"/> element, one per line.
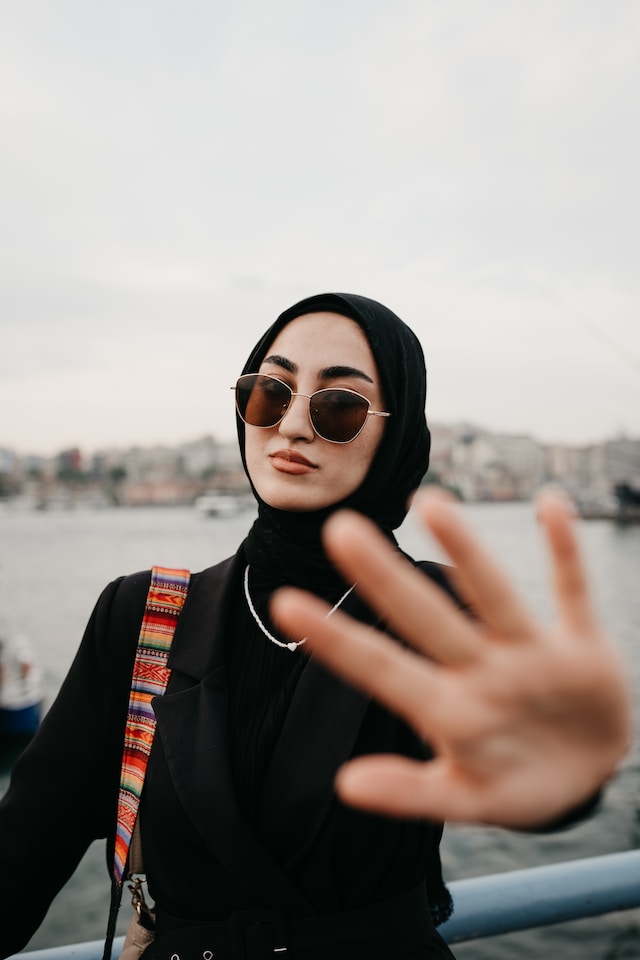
<point x="292" y="462"/>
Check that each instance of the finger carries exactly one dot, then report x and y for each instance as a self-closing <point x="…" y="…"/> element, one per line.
<point x="480" y="579"/>
<point x="439" y="790"/>
<point x="403" y="681"/>
<point x="570" y="580"/>
<point x="415" y="608"/>
<point x="400" y="787"/>
<point x="390" y="785"/>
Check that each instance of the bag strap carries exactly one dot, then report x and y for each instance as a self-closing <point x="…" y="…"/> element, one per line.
<point x="136" y="863"/>
<point x="165" y="600"/>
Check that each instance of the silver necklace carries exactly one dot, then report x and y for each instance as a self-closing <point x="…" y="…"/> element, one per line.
<point x="293" y="644"/>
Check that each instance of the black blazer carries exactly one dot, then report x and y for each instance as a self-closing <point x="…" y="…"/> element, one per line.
<point x="64" y="789"/>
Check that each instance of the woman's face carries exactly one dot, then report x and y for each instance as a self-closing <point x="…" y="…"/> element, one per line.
<point x="290" y="466"/>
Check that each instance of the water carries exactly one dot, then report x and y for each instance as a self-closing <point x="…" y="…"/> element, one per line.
<point x="53" y="566"/>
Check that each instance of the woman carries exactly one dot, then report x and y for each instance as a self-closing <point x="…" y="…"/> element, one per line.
<point x="246" y="848"/>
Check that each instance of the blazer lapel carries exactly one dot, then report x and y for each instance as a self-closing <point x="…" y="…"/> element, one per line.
<point x="198" y="645"/>
<point x="196" y="701"/>
<point x="200" y="770"/>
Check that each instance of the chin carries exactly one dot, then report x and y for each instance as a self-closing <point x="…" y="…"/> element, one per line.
<point x="297" y="504"/>
<point x="296" y="501"/>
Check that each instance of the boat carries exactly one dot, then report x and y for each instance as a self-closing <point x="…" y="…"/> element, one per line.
<point x="20" y="689"/>
<point x="216" y="503"/>
<point x="622" y="505"/>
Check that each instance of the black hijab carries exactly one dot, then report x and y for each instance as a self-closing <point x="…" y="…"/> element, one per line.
<point x="289" y="543"/>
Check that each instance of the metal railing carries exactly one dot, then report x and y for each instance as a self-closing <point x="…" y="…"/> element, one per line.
<point x="541" y="896"/>
<point x="496" y="904"/>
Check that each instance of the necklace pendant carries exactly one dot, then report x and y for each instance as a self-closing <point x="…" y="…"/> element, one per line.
<point x="293" y="645"/>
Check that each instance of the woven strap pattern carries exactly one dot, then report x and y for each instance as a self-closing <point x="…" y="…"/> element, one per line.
<point x="166" y="597"/>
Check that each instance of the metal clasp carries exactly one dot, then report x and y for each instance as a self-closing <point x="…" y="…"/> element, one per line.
<point x="138" y="902"/>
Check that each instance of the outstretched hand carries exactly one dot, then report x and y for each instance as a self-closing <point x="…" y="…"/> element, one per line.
<point x="526" y="721"/>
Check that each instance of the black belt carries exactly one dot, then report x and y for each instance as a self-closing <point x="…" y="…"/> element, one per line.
<point x="379" y="932"/>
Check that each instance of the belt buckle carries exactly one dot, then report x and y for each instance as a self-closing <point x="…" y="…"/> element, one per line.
<point x="242" y="919"/>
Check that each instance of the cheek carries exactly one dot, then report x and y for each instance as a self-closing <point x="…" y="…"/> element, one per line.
<point x="375" y="435"/>
<point x="252" y="445"/>
<point x="367" y="447"/>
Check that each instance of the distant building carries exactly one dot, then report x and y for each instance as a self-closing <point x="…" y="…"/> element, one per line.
<point x="487" y="466"/>
<point x="8" y="461"/>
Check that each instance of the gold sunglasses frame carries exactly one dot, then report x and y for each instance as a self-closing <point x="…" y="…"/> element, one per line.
<point x="268" y="376"/>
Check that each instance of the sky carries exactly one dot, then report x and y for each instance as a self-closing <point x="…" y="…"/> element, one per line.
<point x="175" y="174"/>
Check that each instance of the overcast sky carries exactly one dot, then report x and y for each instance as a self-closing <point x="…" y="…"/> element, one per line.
<point x="174" y="174"/>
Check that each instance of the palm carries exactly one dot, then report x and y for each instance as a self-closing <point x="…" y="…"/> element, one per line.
<point x="525" y="721"/>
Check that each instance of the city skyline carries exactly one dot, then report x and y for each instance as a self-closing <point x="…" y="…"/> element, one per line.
<point x="173" y="177"/>
<point x="475" y="464"/>
<point x="438" y="429"/>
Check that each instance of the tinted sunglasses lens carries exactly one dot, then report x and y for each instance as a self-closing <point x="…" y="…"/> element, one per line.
<point x="262" y="401"/>
<point x="338" y="415"/>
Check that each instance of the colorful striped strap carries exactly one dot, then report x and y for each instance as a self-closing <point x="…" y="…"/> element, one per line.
<point x="166" y="597"/>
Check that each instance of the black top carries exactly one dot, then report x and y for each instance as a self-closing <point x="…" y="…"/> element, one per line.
<point x="262" y="678"/>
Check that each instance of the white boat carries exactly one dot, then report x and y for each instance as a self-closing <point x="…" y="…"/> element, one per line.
<point x="218" y="504"/>
<point x="20" y="689"/>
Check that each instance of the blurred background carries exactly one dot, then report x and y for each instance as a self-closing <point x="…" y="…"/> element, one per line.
<point x="175" y="174"/>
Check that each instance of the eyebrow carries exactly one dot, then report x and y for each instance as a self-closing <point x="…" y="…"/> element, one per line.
<point x="327" y="373"/>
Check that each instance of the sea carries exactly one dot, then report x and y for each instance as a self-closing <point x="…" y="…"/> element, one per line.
<point x="53" y="564"/>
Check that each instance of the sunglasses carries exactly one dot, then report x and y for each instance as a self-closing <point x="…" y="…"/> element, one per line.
<point x="336" y="414"/>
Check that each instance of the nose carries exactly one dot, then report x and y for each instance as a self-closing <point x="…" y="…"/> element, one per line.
<point x="296" y="423"/>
